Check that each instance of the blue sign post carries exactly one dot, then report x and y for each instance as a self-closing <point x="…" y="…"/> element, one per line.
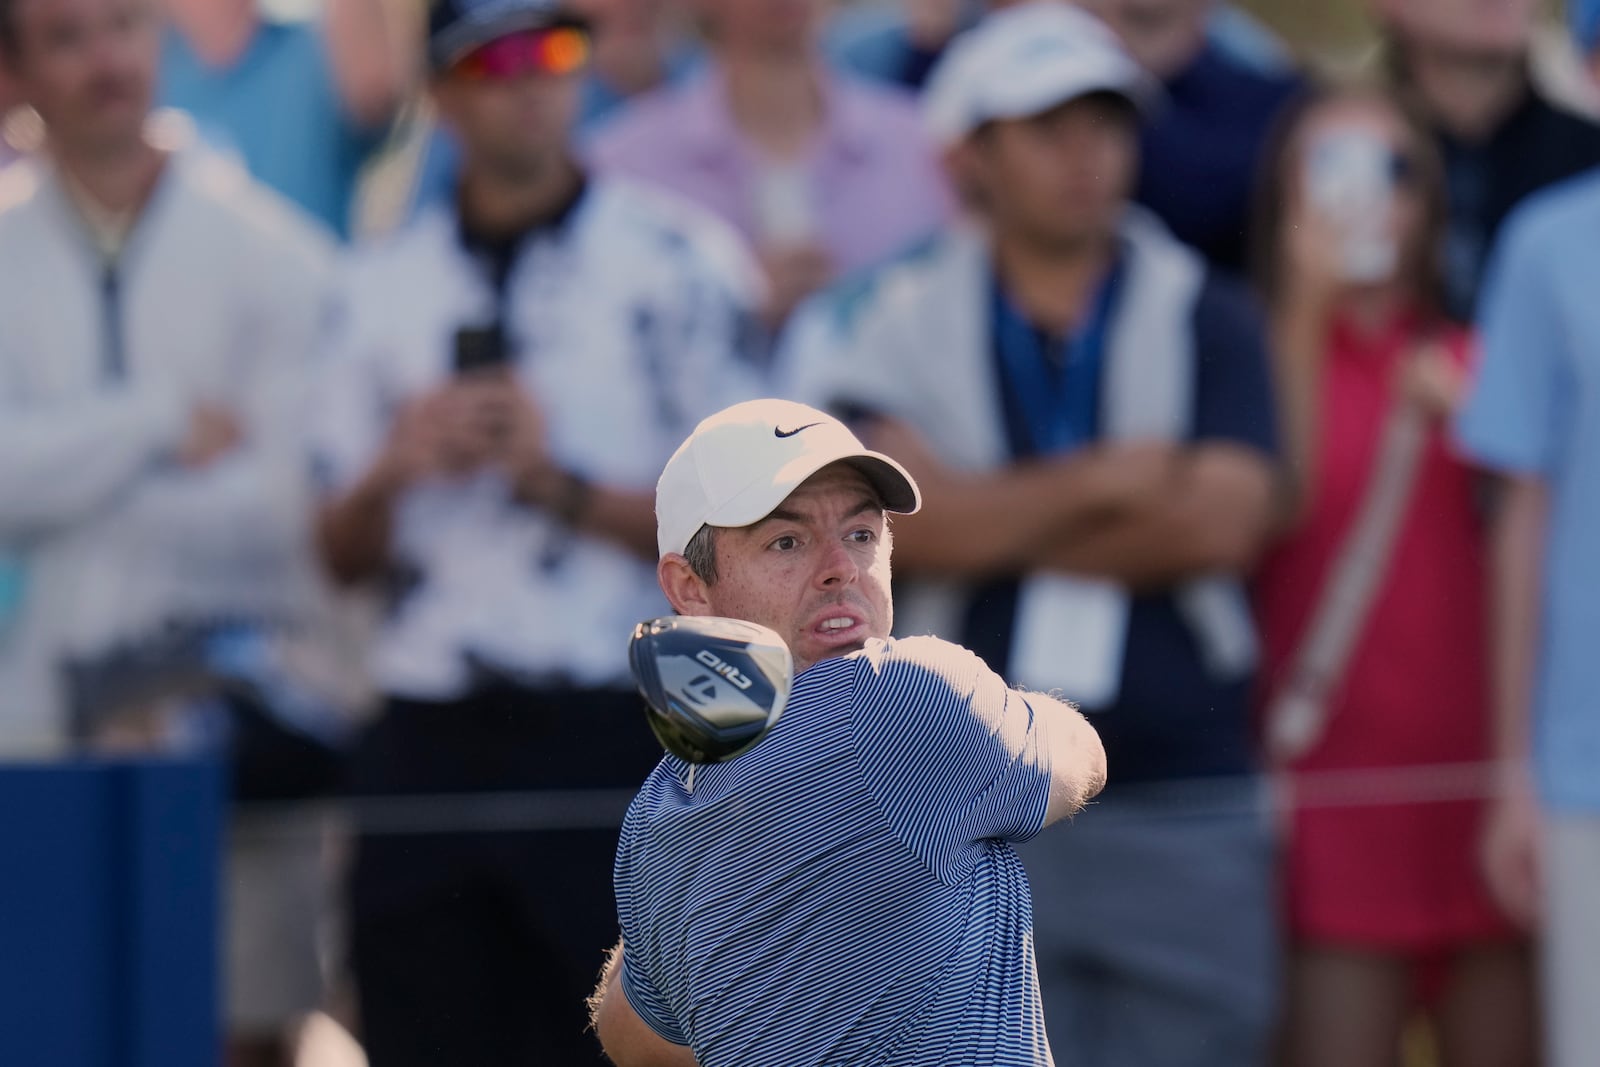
<point x="109" y="913"/>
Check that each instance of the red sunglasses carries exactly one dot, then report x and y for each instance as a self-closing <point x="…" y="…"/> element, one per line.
<point x="554" y="50"/>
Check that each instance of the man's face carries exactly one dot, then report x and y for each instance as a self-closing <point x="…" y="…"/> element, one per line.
<point x="511" y="116"/>
<point x="1060" y="178"/>
<point x="1164" y="36"/>
<point x="88" y="67"/>
<point x="1475" y="26"/>
<point x="816" y="570"/>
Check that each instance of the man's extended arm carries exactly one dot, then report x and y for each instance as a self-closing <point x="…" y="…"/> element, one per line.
<point x="1516" y="583"/>
<point x="626" y="1038"/>
<point x="1077" y="758"/>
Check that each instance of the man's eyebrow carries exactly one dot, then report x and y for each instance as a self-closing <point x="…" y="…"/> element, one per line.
<point x="868" y="502"/>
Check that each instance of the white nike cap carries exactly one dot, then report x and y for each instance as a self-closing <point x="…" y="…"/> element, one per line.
<point x="1024" y="60"/>
<point x="741" y="463"/>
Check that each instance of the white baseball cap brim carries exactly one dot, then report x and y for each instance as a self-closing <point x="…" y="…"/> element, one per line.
<point x="741" y="463"/>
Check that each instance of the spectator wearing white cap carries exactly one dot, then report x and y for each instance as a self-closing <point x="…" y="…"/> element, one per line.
<point x="1087" y="407"/>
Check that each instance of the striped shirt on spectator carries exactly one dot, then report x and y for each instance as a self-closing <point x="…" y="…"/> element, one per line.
<point x="847" y="892"/>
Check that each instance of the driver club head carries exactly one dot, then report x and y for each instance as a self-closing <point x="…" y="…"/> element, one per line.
<point x="713" y="687"/>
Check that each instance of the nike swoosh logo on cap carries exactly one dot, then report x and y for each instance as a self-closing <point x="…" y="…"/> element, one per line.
<point x="790" y="433"/>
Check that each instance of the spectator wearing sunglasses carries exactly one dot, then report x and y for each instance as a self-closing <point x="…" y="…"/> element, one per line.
<point x="1374" y="622"/>
<point x="506" y="376"/>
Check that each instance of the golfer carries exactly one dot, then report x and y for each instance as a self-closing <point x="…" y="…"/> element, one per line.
<point x="847" y="891"/>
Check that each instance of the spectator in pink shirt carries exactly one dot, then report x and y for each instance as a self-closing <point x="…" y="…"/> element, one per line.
<point x="822" y="173"/>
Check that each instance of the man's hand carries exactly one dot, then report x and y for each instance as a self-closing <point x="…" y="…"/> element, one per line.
<point x="793" y="273"/>
<point x="1511" y="853"/>
<point x="1432" y="381"/>
<point x="213" y="433"/>
<point x="454" y="429"/>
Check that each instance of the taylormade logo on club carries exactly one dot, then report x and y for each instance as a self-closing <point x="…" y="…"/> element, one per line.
<point x="726" y="670"/>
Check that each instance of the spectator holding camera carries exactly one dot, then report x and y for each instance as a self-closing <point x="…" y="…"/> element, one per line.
<point x="1371" y="605"/>
<point x="507" y="375"/>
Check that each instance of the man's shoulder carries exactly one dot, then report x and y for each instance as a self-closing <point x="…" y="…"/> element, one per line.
<point x="907" y="666"/>
<point x="902" y="285"/>
<point x="421" y="246"/>
<point x="878" y="104"/>
<point x="652" y="122"/>
<point x="237" y="208"/>
<point x="1562" y="218"/>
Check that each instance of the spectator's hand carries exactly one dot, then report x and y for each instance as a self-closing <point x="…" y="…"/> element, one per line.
<point x="476" y="418"/>
<point x="1131" y="473"/>
<point x="213" y="433"/>
<point x="411" y="451"/>
<point x="1432" y="381"/>
<point x="453" y="429"/>
<point x="1511" y="855"/>
<point x="793" y="273"/>
<point x="526" y="455"/>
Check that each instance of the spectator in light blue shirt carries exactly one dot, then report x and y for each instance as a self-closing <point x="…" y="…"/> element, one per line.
<point x="1534" y="418"/>
<point x="303" y="104"/>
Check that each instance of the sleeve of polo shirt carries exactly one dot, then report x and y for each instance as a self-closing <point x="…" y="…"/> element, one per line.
<point x="1512" y="414"/>
<point x="954" y="755"/>
<point x="1233" y="387"/>
<point x="642" y="993"/>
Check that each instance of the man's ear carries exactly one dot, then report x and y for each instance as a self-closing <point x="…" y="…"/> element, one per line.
<point x="686" y="591"/>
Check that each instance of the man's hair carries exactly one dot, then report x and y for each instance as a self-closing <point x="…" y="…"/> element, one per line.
<point x="700" y="552"/>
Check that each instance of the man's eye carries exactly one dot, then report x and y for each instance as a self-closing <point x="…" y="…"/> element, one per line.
<point x="862" y="537"/>
<point x="786" y="543"/>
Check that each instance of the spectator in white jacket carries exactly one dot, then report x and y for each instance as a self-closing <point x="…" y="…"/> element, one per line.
<point x="159" y="308"/>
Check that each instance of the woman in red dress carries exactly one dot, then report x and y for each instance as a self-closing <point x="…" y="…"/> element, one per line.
<point x="1375" y="694"/>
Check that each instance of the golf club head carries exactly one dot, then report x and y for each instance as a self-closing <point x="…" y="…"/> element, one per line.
<point x="713" y="687"/>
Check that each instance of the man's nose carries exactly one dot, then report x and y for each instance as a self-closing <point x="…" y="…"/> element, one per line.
<point x="838" y="566"/>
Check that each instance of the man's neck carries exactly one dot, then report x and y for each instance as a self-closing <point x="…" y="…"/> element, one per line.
<point x="500" y="205"/>
<point x="218" y="31"/>
<point x="776" y="100"/>
<point x="1053" y="286"/>
<point x="119" y="182"/>
<point x="1468" y="94"/>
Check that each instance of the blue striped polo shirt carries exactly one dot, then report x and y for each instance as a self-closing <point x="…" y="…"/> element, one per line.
<point x="847" y="891"/>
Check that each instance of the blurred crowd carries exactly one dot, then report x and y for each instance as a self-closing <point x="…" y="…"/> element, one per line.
<point x="1254" y="392"/>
